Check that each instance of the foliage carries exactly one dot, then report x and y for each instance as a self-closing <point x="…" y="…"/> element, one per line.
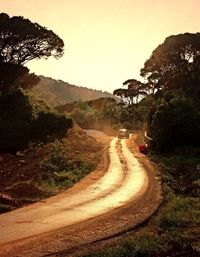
<point x="181" y="212"/>
<point x="96" y="113"/>
<point x="130" y="95"/>
<point x="15" y="75"/>
<point x="175" y="123"/>
<point x="61" y="168"/>
<point x="138" y="247"/>
<point x="22" y="41"/>
<point x="5" y="208"/>
<point x="124" y="116"/>
<point x="27" y="120"/>
<point x="57" y="160"/>
<point x="109" y="111"/>
<point x="146" y="108"/>
<point x="176" y="63"/>
<point x="179" y="173"/>
<point x="135" y="92"/>
<point x="84" y="115"/>
<point x="168" y="101"/>
<point x="179" y="217"/>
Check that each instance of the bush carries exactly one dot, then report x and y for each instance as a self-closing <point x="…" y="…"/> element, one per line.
<point x="57" y="160"/>
<point x="25" y="119"/>
<point x="181" y="212"/>
<point x="138" y="247"/>
<point x="61" y="169"/>
<point x="176" y="123"/>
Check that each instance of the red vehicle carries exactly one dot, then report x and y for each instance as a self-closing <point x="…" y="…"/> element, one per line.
<point x="143" y="149"/>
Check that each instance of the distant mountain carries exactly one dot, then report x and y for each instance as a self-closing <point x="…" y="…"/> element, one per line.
<point x="58" y="92"/>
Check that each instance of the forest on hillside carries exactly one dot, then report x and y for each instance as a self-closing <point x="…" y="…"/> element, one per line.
<point x="58" y="92"/>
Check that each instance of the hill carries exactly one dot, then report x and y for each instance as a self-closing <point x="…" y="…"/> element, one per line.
<point x="57" y="92"/>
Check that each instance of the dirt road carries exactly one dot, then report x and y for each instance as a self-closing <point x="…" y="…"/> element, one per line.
<point x="125" y="181"/>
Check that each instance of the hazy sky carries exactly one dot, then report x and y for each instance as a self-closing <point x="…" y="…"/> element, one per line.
<point x="106" y="41"/>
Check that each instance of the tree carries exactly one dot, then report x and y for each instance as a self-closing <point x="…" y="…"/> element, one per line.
<point x="170" y="105"/>
<point x="130" y="97"/>
<point x="175" y="123"/>
<point x="22" y="41"/>
<point x="109" y="111"/>
<point x="135" y="89"/>
<point x="15" y="75"/>
<point x="175" y="64"/>
<point x="121" y="92"/>
<point x="25" y="119"/>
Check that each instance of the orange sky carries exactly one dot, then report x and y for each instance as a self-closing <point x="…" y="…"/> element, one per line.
<point x="106" y="41"/>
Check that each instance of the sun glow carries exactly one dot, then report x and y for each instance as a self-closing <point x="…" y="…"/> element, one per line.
<point x="106" y="42"/>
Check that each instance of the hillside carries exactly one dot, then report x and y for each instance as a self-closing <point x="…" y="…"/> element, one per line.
<point x="57" y="92"/>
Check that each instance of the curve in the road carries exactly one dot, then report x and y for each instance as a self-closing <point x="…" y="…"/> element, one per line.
<point x="124" y="180"/>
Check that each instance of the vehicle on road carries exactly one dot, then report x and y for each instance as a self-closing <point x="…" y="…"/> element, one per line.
<point x="123" y="133"/>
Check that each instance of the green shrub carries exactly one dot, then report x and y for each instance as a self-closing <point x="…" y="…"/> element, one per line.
<point x="138" y="247"/>
<point x="181" y="212"/>
<point x="25" y="119"/>
<point x="61" y="170"/>
<point x="5" y="208"/>
<point x="175" y="123"/>
<point x="57" y="160"/>
<point x="84" y="117"/>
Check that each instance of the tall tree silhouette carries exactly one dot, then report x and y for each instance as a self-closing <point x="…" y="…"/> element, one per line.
<point x="175" y="64"/>
<point x="22" y="41"/>
<point x="135" y="89"/>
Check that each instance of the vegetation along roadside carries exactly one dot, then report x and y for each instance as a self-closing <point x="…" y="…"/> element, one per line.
<point x="168" y="107"/>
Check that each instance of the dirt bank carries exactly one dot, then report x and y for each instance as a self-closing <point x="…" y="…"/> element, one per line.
<point x="21" y="174"/>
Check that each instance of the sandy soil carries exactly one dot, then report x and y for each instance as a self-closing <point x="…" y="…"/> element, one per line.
<point x="136" y="204"/>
